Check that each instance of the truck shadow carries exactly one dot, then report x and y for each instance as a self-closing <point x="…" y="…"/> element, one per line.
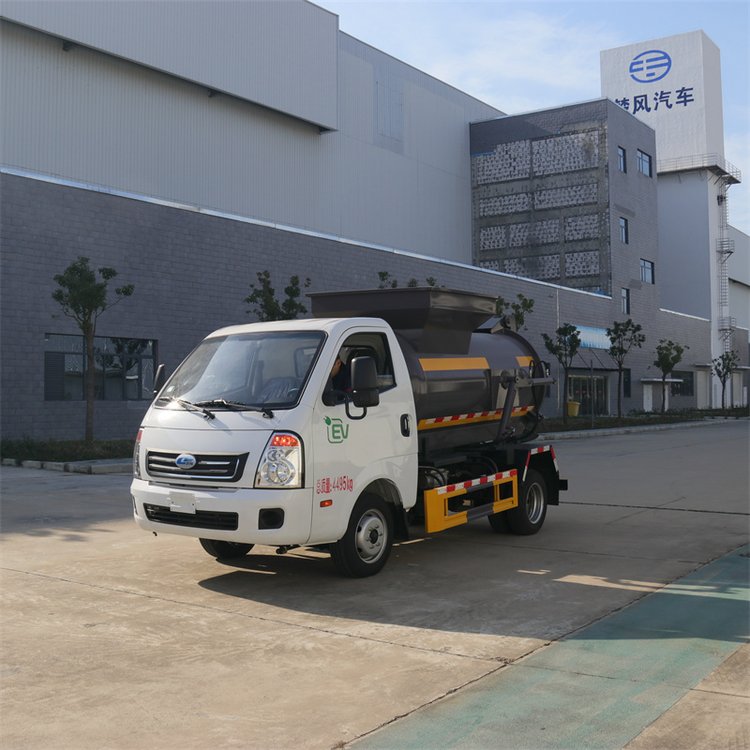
<point x="438" y="586"/>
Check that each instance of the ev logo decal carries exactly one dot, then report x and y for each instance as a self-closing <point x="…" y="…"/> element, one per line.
<point x="185" y="461"/>
<point x="336" y="429"/>
<point x="650" y="66"/>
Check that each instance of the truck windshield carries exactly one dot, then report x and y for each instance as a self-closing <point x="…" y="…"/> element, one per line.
<point x="251" y="371"/>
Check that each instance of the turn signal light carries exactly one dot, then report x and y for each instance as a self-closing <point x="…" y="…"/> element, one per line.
<point x="284" y="440"/>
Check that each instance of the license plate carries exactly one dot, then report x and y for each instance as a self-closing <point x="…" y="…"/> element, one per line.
<point x="181" y="502"/>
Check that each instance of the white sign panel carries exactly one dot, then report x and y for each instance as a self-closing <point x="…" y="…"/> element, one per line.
<point x="674" y="85"/>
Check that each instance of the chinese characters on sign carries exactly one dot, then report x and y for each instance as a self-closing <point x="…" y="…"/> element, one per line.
<point x="665" y="99"/>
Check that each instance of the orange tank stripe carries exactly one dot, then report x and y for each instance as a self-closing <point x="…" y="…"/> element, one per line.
<point x="475" y="418"/>
<point x="443" y="364"/>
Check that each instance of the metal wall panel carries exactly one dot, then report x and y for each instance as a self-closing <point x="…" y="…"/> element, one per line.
<point x="279" y="54"/>
<point x="398" y="178"/>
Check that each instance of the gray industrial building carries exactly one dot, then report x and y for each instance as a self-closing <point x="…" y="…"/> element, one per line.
<point x="554" y="199"/>
<point x="191" y="145"/>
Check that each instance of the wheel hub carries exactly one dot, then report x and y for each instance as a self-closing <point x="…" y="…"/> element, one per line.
<point x="371" y="535"/>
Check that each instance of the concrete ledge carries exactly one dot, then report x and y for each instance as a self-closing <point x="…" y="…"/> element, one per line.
<point x="115" y="466"/>
<point x="79" y="467"/>
<point x="575" y="434"/>
<point x="105" y="466"/>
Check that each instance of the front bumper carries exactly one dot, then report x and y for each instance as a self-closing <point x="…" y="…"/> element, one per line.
<point x="230" y="514"/>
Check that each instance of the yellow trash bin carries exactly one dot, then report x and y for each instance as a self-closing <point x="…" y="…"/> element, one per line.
<point x="573" y="407"/>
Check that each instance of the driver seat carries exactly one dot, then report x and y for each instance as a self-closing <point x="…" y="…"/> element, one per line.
<point x="278" y="389"/>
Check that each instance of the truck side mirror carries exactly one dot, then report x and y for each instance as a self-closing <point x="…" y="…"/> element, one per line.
<point x="159" y="379"/>
<point x="364" y="382"/>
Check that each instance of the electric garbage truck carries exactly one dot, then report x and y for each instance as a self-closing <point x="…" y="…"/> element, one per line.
<point x="260" y="437"/>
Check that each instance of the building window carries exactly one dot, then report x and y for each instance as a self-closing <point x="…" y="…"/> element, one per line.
<point x="686" y="387"/>
<point x="622" y="162"/>
<point x="647" y="272"/>
<point x="124" y="368"/>
<point x="643" y="160"/>
<point x="624" y="232"/>
<point x="625" y="301"/>
<point x="626" y="382"/>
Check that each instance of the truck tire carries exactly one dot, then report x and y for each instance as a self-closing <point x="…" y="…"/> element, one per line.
<point x="364" y="548"/>
<point x="529" y="516"/>
<point x="222" y="550"/>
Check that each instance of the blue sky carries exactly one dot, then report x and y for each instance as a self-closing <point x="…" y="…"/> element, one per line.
<point x="523" y="55"/>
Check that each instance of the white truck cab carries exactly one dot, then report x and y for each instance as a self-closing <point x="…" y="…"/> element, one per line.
<point x="249" y="444"/>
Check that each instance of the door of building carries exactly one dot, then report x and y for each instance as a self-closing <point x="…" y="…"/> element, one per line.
<point x="581" y="388"/>
<point x="648" y="397"/>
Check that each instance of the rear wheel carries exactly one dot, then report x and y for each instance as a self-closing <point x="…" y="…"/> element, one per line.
<point x="364" y="548"/>
<point x="529" y="516"/>
<point x="222" y="550"/>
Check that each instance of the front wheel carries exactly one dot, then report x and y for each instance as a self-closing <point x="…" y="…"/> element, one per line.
<point x="367" y="542"/>
<point x="225" y="550"/>
<point x="529" y="516"/>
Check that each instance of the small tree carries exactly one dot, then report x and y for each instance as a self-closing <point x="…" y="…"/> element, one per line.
<point x="265" y="305"/>
<point x="386" y="281"/>
<point x="723" y="367"/>
<point x="564" y="347"/>
<point x="519" y="310"/>
<point x="84" y="298"/>
<point x="668" y="356"/>
<point x="622" y="338"/>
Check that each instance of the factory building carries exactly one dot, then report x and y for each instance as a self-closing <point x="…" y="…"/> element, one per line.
<point x="190" y="146"/>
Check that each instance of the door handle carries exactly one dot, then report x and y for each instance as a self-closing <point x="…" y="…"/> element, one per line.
<point x="405" y="431"/>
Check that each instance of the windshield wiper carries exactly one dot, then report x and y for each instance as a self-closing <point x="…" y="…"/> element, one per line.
<point x="236" y="406"/>
<point x="188" y="406"/>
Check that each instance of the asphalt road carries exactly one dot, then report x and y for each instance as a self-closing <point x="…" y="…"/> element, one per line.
<point x="114" y="638"/>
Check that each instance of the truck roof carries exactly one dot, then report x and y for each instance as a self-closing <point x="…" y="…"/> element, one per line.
<point x="329" y="325"/>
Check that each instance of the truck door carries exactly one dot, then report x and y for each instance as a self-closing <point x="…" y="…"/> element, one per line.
<point x="356" y="447"/>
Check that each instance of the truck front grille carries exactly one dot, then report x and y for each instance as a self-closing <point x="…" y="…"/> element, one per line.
<point x="208" y="467"/>
<point x="201" y="519"/>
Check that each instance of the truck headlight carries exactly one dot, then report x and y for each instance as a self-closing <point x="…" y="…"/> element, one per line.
<point x="280" y="465"/>
<point x="137" y="456"/>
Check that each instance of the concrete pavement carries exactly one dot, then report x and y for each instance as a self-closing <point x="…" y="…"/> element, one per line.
<point x="602" y="686"/>
<point x="114" y="638"/>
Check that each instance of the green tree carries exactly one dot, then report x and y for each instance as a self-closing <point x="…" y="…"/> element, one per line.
<point x="265" y="304"/>
<point x="668" y="356"/>
<point x="513" y="314"/>
<point x="564" y="347"/>
<point x="83" y="297"/>
<point x="623" y="336"/>
<point x="723" y="367"/>
<point x="386" y="280"/>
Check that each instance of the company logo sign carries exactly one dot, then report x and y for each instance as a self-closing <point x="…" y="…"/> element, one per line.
<point x="336" y="430"/>
<point x="185" y="461"/>
<point x="650" y="66"/>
